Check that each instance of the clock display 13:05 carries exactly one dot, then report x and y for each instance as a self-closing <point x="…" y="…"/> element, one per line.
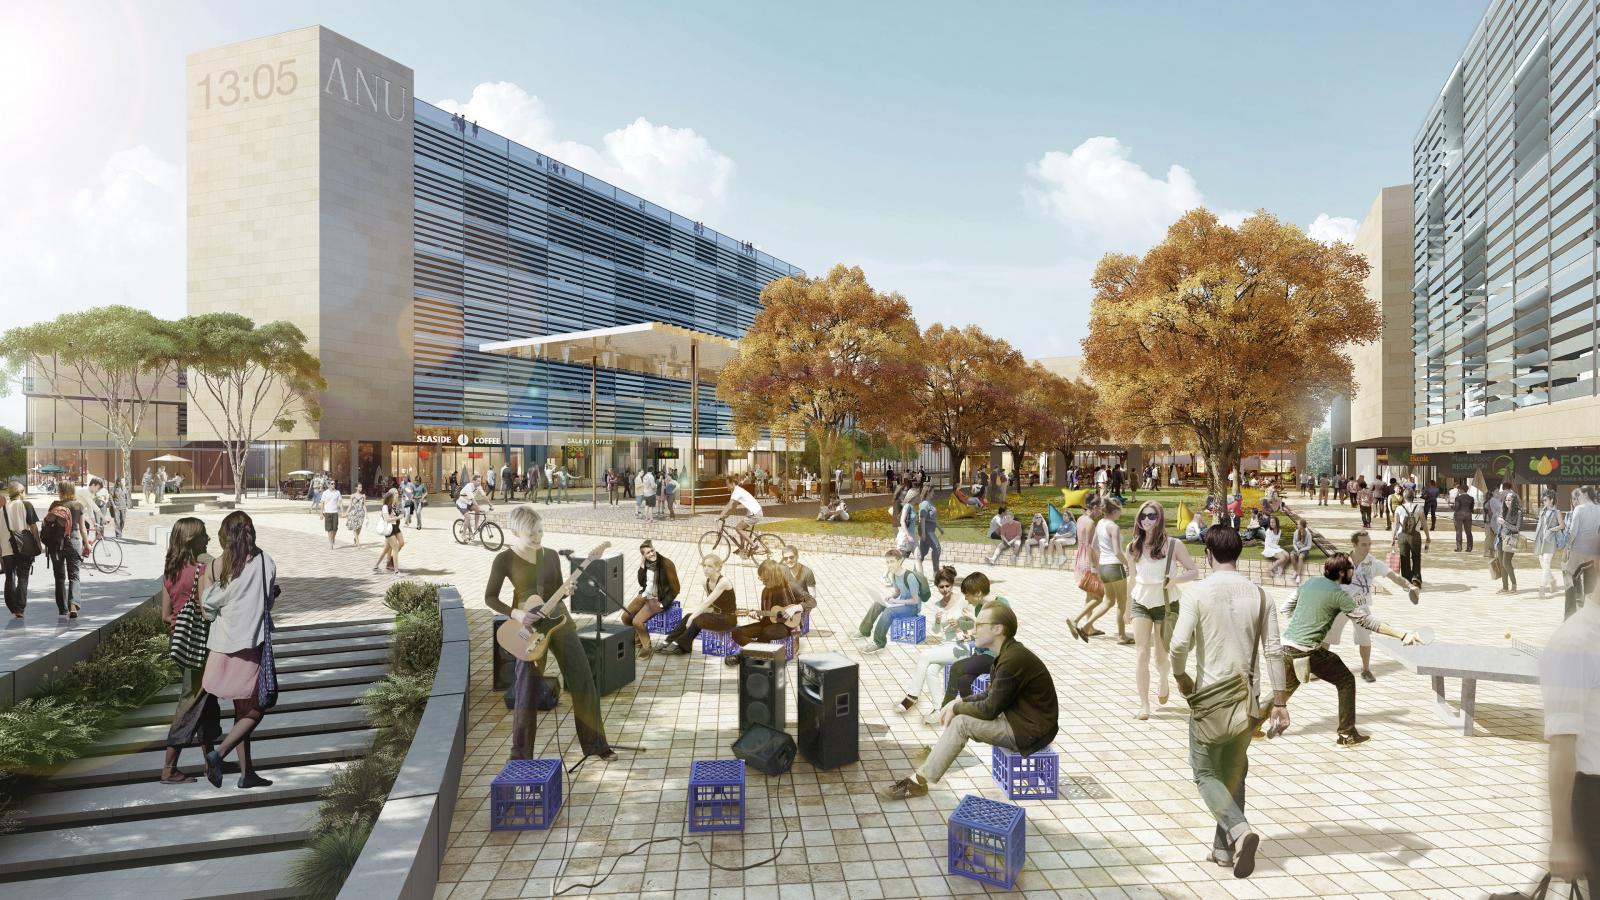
<point x="266" y="80"/>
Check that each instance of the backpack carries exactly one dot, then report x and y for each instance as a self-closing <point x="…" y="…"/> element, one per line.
<point x="1408" y="518"/>
<point x="54" y="529"/>
<point x="924" y="590"/>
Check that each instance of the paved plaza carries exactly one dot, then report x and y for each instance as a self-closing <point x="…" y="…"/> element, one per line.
<point x="1419" y="811"/>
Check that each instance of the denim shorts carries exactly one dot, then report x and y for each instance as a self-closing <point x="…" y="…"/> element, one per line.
<point x="1111" y="573"/>
<point x="1158" y="614"/>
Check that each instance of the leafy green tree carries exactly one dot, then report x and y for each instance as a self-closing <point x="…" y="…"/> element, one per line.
<point x="13" y="454"/>
<point x="107" y="364"/>
<point x="1319" y="452"/>
<point x="247" y="380"/>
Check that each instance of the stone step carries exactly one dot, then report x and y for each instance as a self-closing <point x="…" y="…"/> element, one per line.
<point x="277" y="723"/>
<point x="331" y="632"/>
<point x="267" y="754"/>
<point x="316" y="626"/>
<point x="287" y="650"/>
<point x="322" y="661"/>
<point x="60" y="809"/>
<point x="288" y="701"/>
<point x="58" y="851"/>
<point x="250" y="876"/>
<point x="301" y="680"/>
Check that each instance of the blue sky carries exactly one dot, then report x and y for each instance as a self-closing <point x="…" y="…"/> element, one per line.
<point x="977" y="159"/>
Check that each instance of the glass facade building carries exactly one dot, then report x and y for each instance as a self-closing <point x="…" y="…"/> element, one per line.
<point x="1506" y="211"/>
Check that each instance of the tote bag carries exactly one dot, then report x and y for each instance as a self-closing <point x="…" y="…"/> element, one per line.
<point x="267" y="683"/>
<point x="187" y="645"/>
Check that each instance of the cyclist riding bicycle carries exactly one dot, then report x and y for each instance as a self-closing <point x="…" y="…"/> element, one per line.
<point x="472" y="500"/>
<point x="742" y="497"/>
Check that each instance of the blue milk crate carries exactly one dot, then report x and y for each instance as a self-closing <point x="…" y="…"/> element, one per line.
<point x="971" y="649"/>
<point x="908" y="630"/>
<point x="526" y="795"/>
<point x="805" y="622"/>
<point x="716" y="795"/>
<point x="980" y="684"/>
<point x="665" y="621"/>
<point x="1027" y="777"/>
<point x="988" y="841"/>
<point x="718" y="643"/>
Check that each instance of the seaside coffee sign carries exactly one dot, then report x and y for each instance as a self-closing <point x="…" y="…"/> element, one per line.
<point x="458" y="437"/>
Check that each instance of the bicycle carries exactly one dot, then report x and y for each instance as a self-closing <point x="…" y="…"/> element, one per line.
<point x="730" y="541"/>
<point x="104" y="552"/>
<point x="486" y="532"/>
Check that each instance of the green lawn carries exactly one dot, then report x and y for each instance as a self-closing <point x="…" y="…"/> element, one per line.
<point x="875" y="523"/>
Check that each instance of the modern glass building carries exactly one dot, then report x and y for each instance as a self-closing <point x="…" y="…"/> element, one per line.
<point x="1504" y="246"/>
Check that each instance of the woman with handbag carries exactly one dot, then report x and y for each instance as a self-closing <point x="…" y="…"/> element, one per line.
<point x="237" y="603"/>
<point x="389" y="529"/>
<point x="183" y="581"/>
<point x="1154" y="608"/>
<point x="1085" y="567"/>
<point x="19" y="546"/>
<point x="1548" y="537"/>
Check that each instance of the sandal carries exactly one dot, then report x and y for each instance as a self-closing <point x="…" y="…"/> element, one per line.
<point x="72" y="613"/>
<point x="175" y="776"/>
<point x="1073" y="627"/>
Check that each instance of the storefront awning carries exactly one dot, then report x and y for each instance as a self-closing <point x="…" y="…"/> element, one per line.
<point x="654" y="348"/>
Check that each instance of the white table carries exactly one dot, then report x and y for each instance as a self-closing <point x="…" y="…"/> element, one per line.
<point x="1468" y="662"/>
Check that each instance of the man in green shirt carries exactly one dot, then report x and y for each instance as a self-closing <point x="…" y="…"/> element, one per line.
<point x="1310" y="613"/>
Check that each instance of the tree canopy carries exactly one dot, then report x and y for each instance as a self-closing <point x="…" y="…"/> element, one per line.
<point x="1223" y="338"/>
<point x="966" y="392"/>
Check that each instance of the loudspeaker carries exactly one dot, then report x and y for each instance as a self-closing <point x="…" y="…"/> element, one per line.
<point x="825" y="694"/>
<point x="762" y="686"/>
<point x="610" y="658"/>
<point x="599" y="591"/>
<point x="766" y="749"/>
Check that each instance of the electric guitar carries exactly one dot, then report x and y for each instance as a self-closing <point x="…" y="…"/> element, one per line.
<point x="528" y="642"/>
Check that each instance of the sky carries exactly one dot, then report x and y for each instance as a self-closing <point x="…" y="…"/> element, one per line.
<point x="978" y="159"/>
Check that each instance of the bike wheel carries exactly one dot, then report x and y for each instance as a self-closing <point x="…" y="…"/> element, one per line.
<point x="768" y="546"/>
<point x="107" y="555"/>
<point x="713" y="543"/>
<point x="460" y="532"/>
<point x="491" y="536"/>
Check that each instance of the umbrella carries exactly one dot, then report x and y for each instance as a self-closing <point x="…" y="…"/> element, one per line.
<point x="301" y="472"/>
<point x="170" y="458"/>
<point x="50" y="469"/>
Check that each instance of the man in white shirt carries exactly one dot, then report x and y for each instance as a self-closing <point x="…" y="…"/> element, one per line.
<point x="471" y="500"/>
<point x="742" y="499"/>
<point x="1569" y="678"/>
<point x="1224" y="618"/>
<point x="1367" y="572"/>
<point x="330" y="511"/>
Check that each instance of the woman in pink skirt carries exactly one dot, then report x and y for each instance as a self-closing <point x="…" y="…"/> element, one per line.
<point x="237" y="614"/>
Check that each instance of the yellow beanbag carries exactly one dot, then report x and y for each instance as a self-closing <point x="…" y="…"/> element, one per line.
<point x="1071" y="499"/>
<point x="1184" y="515"/>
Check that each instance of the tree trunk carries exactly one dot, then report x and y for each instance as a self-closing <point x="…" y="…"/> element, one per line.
<point x="956" y="459"/>
<point x="238" y="460"/>
<point x="127" y="465"/>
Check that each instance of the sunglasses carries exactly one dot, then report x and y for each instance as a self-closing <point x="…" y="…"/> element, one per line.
<point x="1148" y="516"/>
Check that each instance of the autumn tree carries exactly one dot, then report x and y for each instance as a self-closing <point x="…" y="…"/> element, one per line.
<point x="1072" y="408"/>
<point x="830" y="353"/>
<point x="247" y="381"/>
<point x="1027" y="421"/>
<point x="1223" y="338"/>
<point x="962" y="398"/>
<point x="106" y="364"/>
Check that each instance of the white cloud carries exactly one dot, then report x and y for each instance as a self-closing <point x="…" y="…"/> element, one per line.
<point x="1328" y="228"/>
<point x="675" y="167"/>
<point x="119" y="239"/>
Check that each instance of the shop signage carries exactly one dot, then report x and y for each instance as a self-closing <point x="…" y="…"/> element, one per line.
<point x="1422" y="459"/>
<point x="573" y="451"/>
<point x="1577" y="465"/>
<point x="666" y="453"/>
<point x="461" y="438"/>
<point x="592" y="442"/>
<point x="1492" y="465"/>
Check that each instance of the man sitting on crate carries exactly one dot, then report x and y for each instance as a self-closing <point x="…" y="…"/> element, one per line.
<point x="658" y="590"/>
<point x="1017" y="712"/>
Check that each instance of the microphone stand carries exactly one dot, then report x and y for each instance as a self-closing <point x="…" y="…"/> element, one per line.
<point x="599" y="655"/>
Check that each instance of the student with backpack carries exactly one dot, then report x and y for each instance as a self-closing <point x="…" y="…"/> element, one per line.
<point x="65" y="555"/>
<point x="19" y="545"/>
<point x="1408" y="537"/>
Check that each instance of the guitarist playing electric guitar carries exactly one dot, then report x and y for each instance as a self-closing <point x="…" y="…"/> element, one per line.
<point x="782" y="607"/>
<point x="535" y="574"/>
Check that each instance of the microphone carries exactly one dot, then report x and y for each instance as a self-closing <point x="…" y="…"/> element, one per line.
<point x="566" y="553"/>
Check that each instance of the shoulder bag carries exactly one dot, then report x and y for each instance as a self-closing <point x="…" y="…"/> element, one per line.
<point x="1227" y="708"/>
<point x="1539" y="893"/>
<point x="190" y="630"/>
<point x="23" y="543"/>
<point x="267" y="683"/>
<point x="1168" y="620"/>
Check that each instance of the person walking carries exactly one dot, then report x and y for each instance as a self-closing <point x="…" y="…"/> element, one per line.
<point x="565" y="483"/>
<point x="1112" y="570"/>
<point x="1569" y="680"/>
<point x="1430" y="506"/>
<point x="1364" y="499"/>
<point x="184" y="580"/>
<point x="161" y="485"/>
<point x="549" y="481"/>
<point x="1366" y="570"/>
<point x="507" y="483"/>
<point x="19" y="545"/>
<point x="638" y="494"/>
<point x="1226" y="620"/>
<point x="356" y="516"/>
<point x="669" y="493"/>
<point x="1155" y="605"/>
<point x="330" y="512"/>
<point x="1309" y="614"/>
<point x="1408" y="537"/>
<point x="238" y="605"/>
<point x="534" y="571"/>
<point x="77" y="542"/>
<point x="1461" y="509"/>
<point x="611" y="487"/>
<point x="120" y="501"/>
<point x="647" y="492"/>
<point x="1505" y="525"/>
<point x="149" y="485"/>
<point x="490" y="482"/>
<point x="928" y="528"/>
<point x="389" y="530"/>
<point x="1085" y="570"/>
<point x="1548" y="536"/>
<point x="628" y="483"/>
<point x="1583" y="546"/>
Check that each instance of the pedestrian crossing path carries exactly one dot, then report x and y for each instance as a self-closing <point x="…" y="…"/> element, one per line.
<point x="104" y="827"/>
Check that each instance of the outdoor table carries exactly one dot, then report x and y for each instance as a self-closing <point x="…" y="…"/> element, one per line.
<point x="1468" y="662"/>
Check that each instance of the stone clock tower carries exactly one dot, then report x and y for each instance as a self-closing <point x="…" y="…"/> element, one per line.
<point x="300" y="208"/>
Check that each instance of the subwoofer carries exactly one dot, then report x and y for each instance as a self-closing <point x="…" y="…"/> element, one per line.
<point x="766" y="749"/>
<point x="763" y="684"/>
<point x="826" y="694"/>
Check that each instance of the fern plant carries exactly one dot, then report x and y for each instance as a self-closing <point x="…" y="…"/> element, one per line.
<point x="38" y="734"/>
<point x="398" y="702"/>
<point x="414" y="646"/>
<point x="320" y="871"/>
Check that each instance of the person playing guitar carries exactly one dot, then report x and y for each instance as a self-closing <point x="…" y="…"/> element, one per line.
<point x="781" y="609"/>
<point x="535" y="574"/>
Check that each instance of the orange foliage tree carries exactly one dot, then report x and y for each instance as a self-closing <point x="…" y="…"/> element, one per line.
<point x="1223" y="338"/>
<point x="1028" y="421"/>
<point x="829" y="354"/>
<point x="964" y="394"/>
<point x="1071" y="412"/>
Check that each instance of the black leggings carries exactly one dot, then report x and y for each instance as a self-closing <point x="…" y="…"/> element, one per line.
<point x="17" y="571"/>
<point x="963" y="672"/>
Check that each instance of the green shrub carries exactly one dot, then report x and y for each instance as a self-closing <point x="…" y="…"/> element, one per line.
<point x="414" y="646"/>
<point x="38" y="734"/>
<point x="406" y="597"/>
<point x="330" y="855"/>
<point x="357" y="790"/>
<point x="398" y="702"/>
<point x="115" y="682"/>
